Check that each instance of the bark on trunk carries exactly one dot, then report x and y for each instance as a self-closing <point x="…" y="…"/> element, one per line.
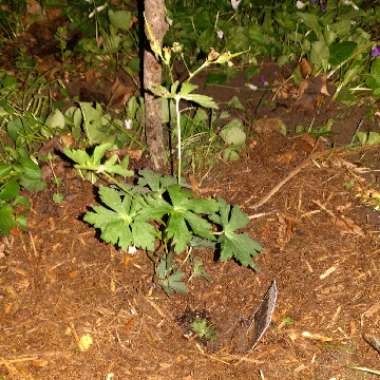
<point x="155" y="13"/>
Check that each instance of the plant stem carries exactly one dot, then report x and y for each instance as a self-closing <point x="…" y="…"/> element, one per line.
<point x="120" y="185"/>
<point x="198" y="70"/>
<point x="179" y="138"/>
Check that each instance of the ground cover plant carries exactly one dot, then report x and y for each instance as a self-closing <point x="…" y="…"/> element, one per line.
<point x="110" y="269"/>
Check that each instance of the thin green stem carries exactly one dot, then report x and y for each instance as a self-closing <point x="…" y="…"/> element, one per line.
<point x="114" y="181"/>
<point x="179" y="138"/>
<point x="198" y="70"/>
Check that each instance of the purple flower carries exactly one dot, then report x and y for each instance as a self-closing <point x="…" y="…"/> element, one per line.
<point x="375" y="52"/>
<point x="322" y="4"/>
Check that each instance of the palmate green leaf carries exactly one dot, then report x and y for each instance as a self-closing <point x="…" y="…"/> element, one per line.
<point x="240" y="247"/>
<point x="183" y="200"/>
<point x="155" y="181"/>
<point x="187" y="88"/>
<point x="83" y="161"/>
<point x="232" y="244"/>
<point x="95" y="123"/>
<point x="120" y="223"/>
<point x="178" y="231"/>
<point x="80" y="157"/>
<point x="185" y="218"/>
<point x="110" y="166"/>
<point x="202" y="100"/>
<point x="99" y="152"/>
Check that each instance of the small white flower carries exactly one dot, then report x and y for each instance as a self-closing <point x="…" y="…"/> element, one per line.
<point x="132" y="250"/>
<point x="169" y="21"/>
<point x="128" y="124"/>
<point x="300" y="4"/>
<point x="235" y="4"/>
<point x="220" y="34"/>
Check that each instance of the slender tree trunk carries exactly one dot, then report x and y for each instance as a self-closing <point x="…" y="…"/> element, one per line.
<point x="155" y="13"/>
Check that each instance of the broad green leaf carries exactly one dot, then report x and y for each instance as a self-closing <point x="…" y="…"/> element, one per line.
<point x="373" y="138"/>
<point x="94" y="123"/>
<point x="232" y="244"/>
<point x="120" y="223"/>
<point x="79" y="156"/>
<point x="320" y="53"/>
<point x="100" y="151"/>
<point x="55" y="120"/>
<point x="14" y="127"/>
<point x="84" y="162"/>
<point x="144" y="235"/>
<point x="184" y="219"/>
<point x="183" y="200"/>
<point x="231" y="154"/>
<point x="375" y="67"/>
<point x="237" y="220"/>
<point x="312" y="22"/>
<point x="199" y="225"/>
<point x="340" y="51"/>
<point x="202" y="100"/>
<point x="233" y="133"/>
<point x="120" y="19"/>
<point x="10" y="190"/>
<point x="111" y="197"/>
<point x="187" y="88"/>
<point x="368" y="138"/>
<point x="342" y="28"/>
<point x="155" y="181"/>
<point x="178" y="231"/>
<point x="31" y="177"/>
<point x="240" y="247"/>
<point x="7" y="220"/>
<point x="111" y="167"/>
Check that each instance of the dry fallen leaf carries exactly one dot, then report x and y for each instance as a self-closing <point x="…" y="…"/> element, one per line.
<point x="305" y="67"/>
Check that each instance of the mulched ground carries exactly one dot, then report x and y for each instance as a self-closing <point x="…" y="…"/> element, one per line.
<point x="59" y="283"/>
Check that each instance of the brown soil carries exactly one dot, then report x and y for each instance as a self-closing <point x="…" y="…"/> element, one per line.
<point x="321" y="245"/>
<point x="58" y="282"/>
